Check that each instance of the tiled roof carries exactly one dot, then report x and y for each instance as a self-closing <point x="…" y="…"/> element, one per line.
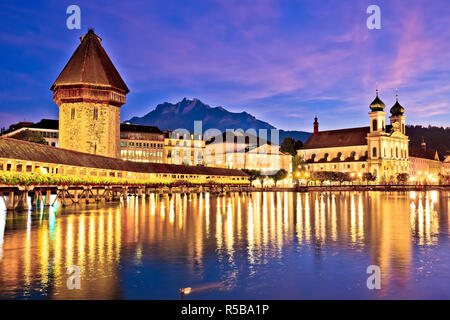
<point x="90" y="64"/>
<point x="238" y="137"/>
<point x="27" y="151"/>
<point x="126" y="127"/>
<point x="46" y="124"/>
<point x="425" y="154"/>
<point x="338" y="138"/>
<point x="43" y="124"/>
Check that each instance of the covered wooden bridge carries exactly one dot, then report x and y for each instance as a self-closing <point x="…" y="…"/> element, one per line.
<point x="39" y="170"/>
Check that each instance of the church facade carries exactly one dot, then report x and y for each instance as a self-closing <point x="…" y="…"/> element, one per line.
<point x="380" y="149"/>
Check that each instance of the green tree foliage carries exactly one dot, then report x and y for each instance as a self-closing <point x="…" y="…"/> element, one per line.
<point x="252" y="174"/>
<point x="31" y="136"/>
<point x="280" y="175"/>
<point x="368" y="177"/>
<point x="298" y="164"/>
<point x="402" y="177"/>
<point x="288" y="146"/>
<point x="340" y="177"/>
<point x="298" y="144"/>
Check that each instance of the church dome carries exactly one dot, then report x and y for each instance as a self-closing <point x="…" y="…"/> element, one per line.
<point x="377" y="104"/>
<point x="397" y="109"/>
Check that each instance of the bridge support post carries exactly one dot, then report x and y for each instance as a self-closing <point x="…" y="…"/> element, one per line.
<point x="125" y="195"/>
<point x="10" y="202"/>
<point x="24" y="200"/>
<point x="48" y="193"/>
<point x="35" y="199"/>
<point x="86" y="191"/>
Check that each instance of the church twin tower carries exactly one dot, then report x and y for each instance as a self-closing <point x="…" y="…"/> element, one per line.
<point x="89" y="92"/>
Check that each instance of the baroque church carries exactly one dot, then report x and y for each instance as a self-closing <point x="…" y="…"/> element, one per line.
<point x="379" y="149"/>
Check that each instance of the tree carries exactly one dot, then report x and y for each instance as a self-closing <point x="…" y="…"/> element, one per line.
<point x="298" y="144"/>
<point x="298" y="163"/>
<point x="402" y="177"/>
<point x="288" y="146"/>
<point x="261" y="178"/>
<point x="299" y="168"/>
<point x="31" y="136"/>
<point x="368" y="176"/>
<point x="280" y="175"/>
<point x="252" y="174"/>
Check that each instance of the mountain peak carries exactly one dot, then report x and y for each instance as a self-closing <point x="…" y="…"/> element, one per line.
<point x="182" y="114"/>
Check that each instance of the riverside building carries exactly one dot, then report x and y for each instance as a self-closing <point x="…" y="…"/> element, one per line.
<point x="379" y="149"/>
<point x="141" y="143"/>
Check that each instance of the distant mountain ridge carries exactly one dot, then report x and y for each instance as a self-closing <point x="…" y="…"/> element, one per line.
<point x="169" y="116"/>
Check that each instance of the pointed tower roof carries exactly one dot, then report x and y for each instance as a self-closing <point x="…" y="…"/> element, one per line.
<point x="90" y="65"/>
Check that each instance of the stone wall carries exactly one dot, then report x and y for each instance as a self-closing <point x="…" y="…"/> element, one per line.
<point x="81" y="130"/>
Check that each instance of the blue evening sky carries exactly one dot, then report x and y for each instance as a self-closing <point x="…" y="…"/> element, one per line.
<point x="280" y="60"/>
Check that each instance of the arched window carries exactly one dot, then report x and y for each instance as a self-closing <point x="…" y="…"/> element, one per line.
<point x="374" y="125"/>
<point x="374" y="152"/>
<point x="339" y="155"/>
<point x="396" y="152"/>
<point x="353" y="154"/>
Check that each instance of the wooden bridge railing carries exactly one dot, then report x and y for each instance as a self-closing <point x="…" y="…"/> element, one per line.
<point x="16" y="197"/>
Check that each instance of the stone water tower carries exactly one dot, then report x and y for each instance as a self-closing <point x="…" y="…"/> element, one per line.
<point x="89" y="93"/>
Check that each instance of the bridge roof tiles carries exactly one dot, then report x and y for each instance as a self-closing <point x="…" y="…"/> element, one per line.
<point x="28" y="151"/>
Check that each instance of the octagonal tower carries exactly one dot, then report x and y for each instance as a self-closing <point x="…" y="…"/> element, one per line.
<point x="89" y="93"/>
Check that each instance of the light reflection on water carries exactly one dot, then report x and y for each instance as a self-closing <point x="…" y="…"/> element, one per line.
<point x="260" y="245"/>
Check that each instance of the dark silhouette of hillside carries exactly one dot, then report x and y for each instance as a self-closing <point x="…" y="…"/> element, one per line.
<point x="436" y="138"/>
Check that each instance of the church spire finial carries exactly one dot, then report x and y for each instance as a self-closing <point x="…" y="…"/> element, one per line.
<point x="316" y="125"/>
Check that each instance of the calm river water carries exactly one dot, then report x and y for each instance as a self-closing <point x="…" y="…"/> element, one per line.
<point x="255" y="246"/>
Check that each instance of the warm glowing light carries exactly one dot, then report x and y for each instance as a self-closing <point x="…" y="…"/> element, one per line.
<point x="43" y="170"/>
